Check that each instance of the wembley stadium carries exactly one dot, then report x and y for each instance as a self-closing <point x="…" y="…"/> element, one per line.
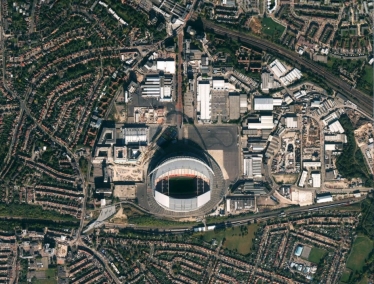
<point x="182" y="183"/>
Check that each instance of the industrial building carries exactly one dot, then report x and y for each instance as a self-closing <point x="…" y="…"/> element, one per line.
<point x="261" y="103"/>
<point x="316" y="179"/>
<point x="336" y="127"/>
<point x="291" y="77"/>
<point x="254" y="188"/>
<point x="335" y="137"/>
<point x="240" y="203"/>
<point x="243" y="103"/>
<point x="303" y="178"/>
<point x="267" y="81"/>
<point x="314" y="164"/>
<point x="134" y="134"/>
<point x="252" y="166"/>
<point x="291" y="122"/>
<point x="234" y="106"/>
<point x="166" y="65"/>
<point x="278" y="68"/>
<point x="299" y="94"/>
<point x="157" y="86"/>
<point x="266" y="104"/>
<point x="218" y="83"/>
<point x="325" y="197"/>
<point x="261" y="122"/>
<point x="204" y="100"/>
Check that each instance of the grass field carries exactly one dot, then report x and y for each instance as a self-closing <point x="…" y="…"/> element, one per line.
<point x="364" y="280"/>
<point x="345" y="276"/>
<point x="182" y="187"/>
<point x="368" y="80"/>
<point x="271" y="28"/>
<point x="351" y="207"/>
<point x="50" y="275"/>
<point x="361" y="248"/>
<point x="234" y="238"/>
<point x="316" y="254"/>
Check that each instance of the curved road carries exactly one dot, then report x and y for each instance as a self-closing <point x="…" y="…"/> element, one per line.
<point x="363" y="101"/>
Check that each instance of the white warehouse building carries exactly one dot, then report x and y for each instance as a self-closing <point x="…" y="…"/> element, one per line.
<point x="252" y="166"/>
<point x="324" y="198"/>
<point x="263" y="103"/>
<point x="278" y="68"/>
<point x="316" y="179"/>
<point x="167" y="66"/>
<point x="204" y="100"/>
<point x="156" y="86"/>
<point x="262" y="122"/>
<point x="303" y="178"/>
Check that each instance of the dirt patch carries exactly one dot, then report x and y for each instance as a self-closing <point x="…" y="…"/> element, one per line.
<point x="336" y="185"/>
<point x="255" y="25"/>
<point x="119" y="217"/>
<point x="218" y="157"/>
<point x="139" y="77"/>
<point x="125" y="191"/>
<point x="286" y="178"/>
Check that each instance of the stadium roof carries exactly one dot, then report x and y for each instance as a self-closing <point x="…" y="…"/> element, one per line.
<point x="182" y="163"/>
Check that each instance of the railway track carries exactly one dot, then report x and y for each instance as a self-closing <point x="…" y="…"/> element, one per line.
<point x="363" y="101"/>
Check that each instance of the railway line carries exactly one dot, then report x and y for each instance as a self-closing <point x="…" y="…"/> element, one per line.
<point x="363" y="101"/>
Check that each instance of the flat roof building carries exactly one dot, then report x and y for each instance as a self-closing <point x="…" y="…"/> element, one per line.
<point x="335" y="137"/>
<point x="278" y="68"/>
<point x="240" y="203"/>
<point x="308" y="164"/>
<point x="336" y="127"/>
<point x="267" y="81"/>
<point x="252" y="166"/>
<point x="157" y="86"/>
<point x="204" y="100"/>
<point x="254" y="188"/>
<point x="316" y="179"/>
<point x="234" y="106"/>
<point x="243" y="103"/>
<point x="218" y="83"/>
<point x="263" y="103"/>
<point x="303" y="178"/>
<point x="133" y="134"/>
<point x="291" y="122"/>
<point x="166" y="65"/>
<point x="262" y="122"/>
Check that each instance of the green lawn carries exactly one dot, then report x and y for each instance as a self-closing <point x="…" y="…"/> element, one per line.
<point x="316" y="254"/>
<point x="50" y="275"/>
<point x="351" y="207"/>
<point x="366" y="84"/>
<point x="271" y="28"/>
<point x="235" y="238"/>
<point x="361" y="249"/>
<point x="364" y="280"/>
<point x="345" y="276"/>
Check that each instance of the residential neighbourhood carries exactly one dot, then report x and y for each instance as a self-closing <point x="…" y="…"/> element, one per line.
<point x="186" y="141"/>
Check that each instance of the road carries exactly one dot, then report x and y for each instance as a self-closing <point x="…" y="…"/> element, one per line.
<point x="364" y="102"/>
<point x="240" y="220"/>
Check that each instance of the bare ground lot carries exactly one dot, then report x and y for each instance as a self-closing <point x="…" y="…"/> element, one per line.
<point x="286" y="178"/>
